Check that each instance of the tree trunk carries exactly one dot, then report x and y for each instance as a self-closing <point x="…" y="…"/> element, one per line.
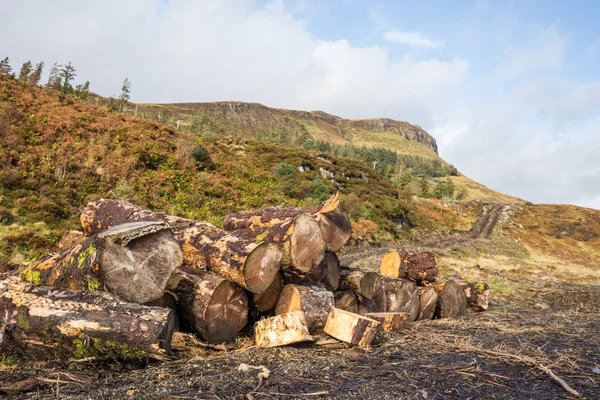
<point x="334" y="224"/>
<point x="427" y="302"/>
<point x="212" y="306"/>
<point x="266" y="301"/>
<point x="327" y="273"/>
<point x="281" y="330"/>
<point x="367" y="285"/>
<point x="452" y="301"/>
<point x="418" y="266"/>
<point x="389" y="321"/>
<point x="402" y="297"/>
<point x="251" y="263"/>
<point x="477" y="293"/>
<point x="43" y="323"/>
<point x="70" y="239"/>
<point x="377" y="304"/>
<point x="313" y="301"/>
<point x="346" y="301"/>
<point x="351" y="328"/>
<point x="133" y="261"/>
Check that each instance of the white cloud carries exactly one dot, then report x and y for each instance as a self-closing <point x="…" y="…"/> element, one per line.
<point x="414" y="39"/>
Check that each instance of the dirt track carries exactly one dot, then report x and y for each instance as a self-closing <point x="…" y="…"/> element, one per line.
<point x="556" y="324"/>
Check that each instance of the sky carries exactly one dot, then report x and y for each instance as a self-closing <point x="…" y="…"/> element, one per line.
<point x="510" y="89"/>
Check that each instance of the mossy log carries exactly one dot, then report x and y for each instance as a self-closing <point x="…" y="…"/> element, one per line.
<point x="389" y="321"/>
<point x="41" y="323"/>
<point x="366" y="285"/>
<point x="133" y="261"/>
<point x="212" y="306"/>
<point x="427" y="302"/>
<point x="402" y="297"/>
<point x="249" y="262"/>
<point x="327" y="273"/>
<point x="346" y="300"/>
<point x="281" y="330"/>
<point x="335" y="225"/>
<point x="314" y="301"/>
<point x="351" y="328"/>
<point x="266" y="301"/>
<point x="418" y="266"/>
<point x="477" y="293"/>
<point x="70" y="239"/>
<point x="452" y="301"/>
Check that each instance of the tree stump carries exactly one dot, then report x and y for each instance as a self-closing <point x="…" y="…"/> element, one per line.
<point x="346" y="301"/>
<point x="43" y="323"/>
<point x="313" y="301"/>
<point x="133" y="261"/>
<point x="477" y="293"/>
<point x="418" y="266"/>
<point x="212" y="306"/>
<point x="402" y="297"/>
<point x="281" y="330"/>
<point x="427" y="302"/>
<point x="452" y="301"/>
<point x="351" y="328"/>
<point x="367" y="285"/>
<point x="389" y="321"/>
<point x="266" y="301"/>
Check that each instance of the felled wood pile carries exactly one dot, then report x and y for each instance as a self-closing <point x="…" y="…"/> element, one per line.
<point x="120" y="289"/>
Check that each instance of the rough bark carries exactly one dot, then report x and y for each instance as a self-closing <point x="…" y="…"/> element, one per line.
<point x="347" y="301"/>
<point x="418" y="266"/>
<point x="251" y="263"/>
<point x="212" y="306"/>
<point x="452" y="301"/>
<point x="44" y="323"/>
<point x="427" y="302"/>
<point x="70" y="239"/>
<point x="351" y="328"/>
<point x="477" y="293"/>
<point x="281" y="330"/>
<point x="314" y="301"/>
<point x="367" y="285"/>
<point x="389" y="321"/>
<point x="133" y="261"/>
<point x="402" y="297"/>
<point x="266" y="301"/>
<point x="327" y="273"/>
<point x="335" y="225"/>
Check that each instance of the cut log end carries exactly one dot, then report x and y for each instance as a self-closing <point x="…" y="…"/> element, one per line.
<point x="346" y="301"/>
<point x="307" y="244"/>
<point x="390" y="265"/>
<point x="402" y="296"/>
<point x="227" y="312"/>
<point x="427" y="302"/>
<point x="452" y="301"/>
<point x="336" y="228"/>
<point x="371" y="285"/>
<point x="351" y="328"/>
<point x="266" y="301"/>
<point x="262" y="266"/>
<point x="281" y="330"/>
<point x="389" y="321"/>
<point x="313" y="301"/>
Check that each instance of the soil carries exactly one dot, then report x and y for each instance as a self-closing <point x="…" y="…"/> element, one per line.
<point x="556" y="324"/>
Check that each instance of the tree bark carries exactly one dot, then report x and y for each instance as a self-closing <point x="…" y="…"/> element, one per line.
<point x="367" y="285"/>
<point x="351" y="328"/>
<point x="452" y="301"/>
<point x="402" y="297"/>
<point x="389" y="321"/>
<point x="133" y="261"/>
<point x="44" y="323"/>
<point x="281" y="330"/>
<point x="346" y="301"/>
<point x="427" y="302"/>
<point x="477" y="293"/>
<point x="334" y="224"/>
<point x="70" y="239"/>
<point x="248" y="262"/>
<point x="312" y="300"/>
<point x="213" y="307"/>
<point x="418" y="266"/>
<point x="266" y="301"/>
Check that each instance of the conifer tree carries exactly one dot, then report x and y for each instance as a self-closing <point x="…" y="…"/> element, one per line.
<point x="36" y="75"/>
<point x="25" y="71"/>
<point x="67" y="74"/>
<point x="5" y="68"/>
<point x="54" y="78"/>
<point x="82" y="91"/>
<point x="125" y="92"/>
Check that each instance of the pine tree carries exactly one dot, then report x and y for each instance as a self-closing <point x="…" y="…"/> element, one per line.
<point x="54" y="78"/>
<point x="36" y="75"/>
<point x="5" y="68"/>
<point x="25" y="71"/>
<point x="82" y="91"/>
<point x="125" y="92"/>
<point x="67" y="74"/>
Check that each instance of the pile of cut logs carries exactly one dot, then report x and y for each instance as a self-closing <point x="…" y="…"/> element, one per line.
<point x="122" y="286"/>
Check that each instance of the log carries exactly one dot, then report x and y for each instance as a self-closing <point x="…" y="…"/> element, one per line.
<point x="248" y="262"/>
<point x="334" y="224"/>
<point x="427" y="302"/>
<point x="402" y="297"/>
<point x="377" y="304"/>
<point x="346" y="300"/>
<point x="133" y="261"/>
<point x="327" y="272"/>
<point x="212" y="306"/>
<point x="281" y="330"/>
<point x="314" y="301"/>
<point x="70" y="239"/>
<point x="43" y="323"/>
<point x="367" y="285"/>
<point x="389" y="321"/>
<point x="167" y="300"/>
<point x="452" y="301"/>
<point x="266" y="301"/>
<point x="477" y="293"/>
<point x="351" y="328"/>
<point x="418" y="266"/>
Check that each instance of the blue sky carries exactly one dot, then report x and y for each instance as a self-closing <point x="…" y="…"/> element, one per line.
<point x="510" y="89"/>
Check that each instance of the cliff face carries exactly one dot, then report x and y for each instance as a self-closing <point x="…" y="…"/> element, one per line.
<point x="322" y="126"/>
